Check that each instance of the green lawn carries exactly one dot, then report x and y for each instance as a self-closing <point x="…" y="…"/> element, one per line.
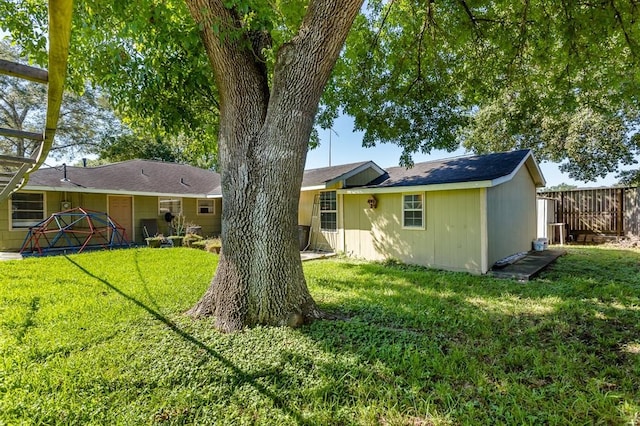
<point x="100" y="338"/>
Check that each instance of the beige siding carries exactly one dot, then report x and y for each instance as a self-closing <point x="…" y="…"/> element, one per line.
<point x="511" y="216"/>
<point x="305" y="207"/>
<point x="320" y="240"/>
<point x="144" y="207"/>
<point x="5" y="235"/>
<point x="9" y="239"/>
<point x="362" y="178"/>
<point x="211" y="224"/>
<point x="450" y="240"/>
<point x="457" y="223"/>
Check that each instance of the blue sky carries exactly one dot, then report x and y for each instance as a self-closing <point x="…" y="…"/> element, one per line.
<point x="346" y="147"/>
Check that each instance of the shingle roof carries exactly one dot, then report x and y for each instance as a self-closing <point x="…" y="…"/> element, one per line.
<point x="135" y="176"/>
<point x="156" y="177"/>
<point x="453" y="170"/>
<point x="315" y="177"/>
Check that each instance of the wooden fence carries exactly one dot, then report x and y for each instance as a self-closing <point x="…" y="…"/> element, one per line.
<point x="598" y="211"/>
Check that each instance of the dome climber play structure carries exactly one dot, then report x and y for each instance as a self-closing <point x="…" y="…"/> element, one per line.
<point x="74" y="231"/>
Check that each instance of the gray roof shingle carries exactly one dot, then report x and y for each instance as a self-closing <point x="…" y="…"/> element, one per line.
<point x="140" y="176"/>
<point x="453" y="170"/>
<point x="156" y="177"/>
<point x="321" y="176"/>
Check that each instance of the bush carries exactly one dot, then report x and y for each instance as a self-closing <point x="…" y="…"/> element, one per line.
<point x="190" y="239"/>
<point x="212" y="245"/>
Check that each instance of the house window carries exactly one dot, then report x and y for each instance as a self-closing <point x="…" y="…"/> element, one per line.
<point x="328" y="211"/>
<point x="206" y="206"/>
<point x="171" y="205"/>
<point x="412" y="211"/>
<point x="27" y="209"/>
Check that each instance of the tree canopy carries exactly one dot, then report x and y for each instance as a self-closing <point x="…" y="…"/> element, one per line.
<point x="559" y="77"/>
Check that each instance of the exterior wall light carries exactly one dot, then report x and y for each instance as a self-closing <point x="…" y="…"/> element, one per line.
<point x="373" y="203"/>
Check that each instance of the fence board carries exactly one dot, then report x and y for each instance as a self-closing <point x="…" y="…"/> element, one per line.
<point x="632" y="212"/>
<point x="604" y="211"/>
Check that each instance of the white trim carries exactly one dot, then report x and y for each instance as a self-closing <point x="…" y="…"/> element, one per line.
<point x="117" y="192"/>
<point x="419" y="188"/>
<point x="343" y="177"/>
<point x="9" y="207"/>
<point x="422" y="210"/>
<point x="213" y="207"/>
<point x="484" y="232"/>
<point x="160" y="213"/>
<point x="532" y="163"/>
<point x="313" y="188"/>
<point x="320" y="211"/>
<point x="528" y="160"/>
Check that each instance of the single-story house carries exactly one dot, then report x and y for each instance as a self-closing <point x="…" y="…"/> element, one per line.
<point x="134" y="193"/>
<point x="460" y="214"/>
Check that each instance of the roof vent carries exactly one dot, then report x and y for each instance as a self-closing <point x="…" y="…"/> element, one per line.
<point x="64" y="173"/>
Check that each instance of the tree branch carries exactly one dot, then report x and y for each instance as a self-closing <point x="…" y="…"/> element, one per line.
<point x="620" y="21"/>
<point x="472" y="18"/>
<point x="303" y="65"/>
<point x="228" y="47"/>
<point x="374" y="44"/>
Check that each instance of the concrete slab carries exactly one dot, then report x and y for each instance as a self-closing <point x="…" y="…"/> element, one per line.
<point x="529" y="266"/>
<point x="10" y="256"/>
<point x="313" y="255"/>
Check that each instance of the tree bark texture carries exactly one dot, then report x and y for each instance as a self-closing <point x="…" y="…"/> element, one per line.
<point x="263" y="140"/>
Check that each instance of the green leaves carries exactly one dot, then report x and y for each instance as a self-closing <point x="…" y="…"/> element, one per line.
<point x="562" y="78"/>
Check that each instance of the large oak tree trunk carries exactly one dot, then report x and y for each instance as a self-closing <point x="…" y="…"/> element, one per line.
<point x="263" y="141"/>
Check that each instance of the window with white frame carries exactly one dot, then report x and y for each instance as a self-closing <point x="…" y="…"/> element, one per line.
<point x="413" y="210"/>
<point x="27" y="209"/>
<point x="171" y="205"/>
<point x="328" y="211"/>
<point x="206" y="206"/>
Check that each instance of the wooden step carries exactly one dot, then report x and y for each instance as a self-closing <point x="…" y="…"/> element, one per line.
<point x="12" y="133"/>
<point x="13" y="160"/>
<point x="24" y="71"/>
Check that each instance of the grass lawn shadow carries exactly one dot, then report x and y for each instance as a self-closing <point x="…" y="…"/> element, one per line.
<point x="554" y="350"/>
<point x="241" y="377"/>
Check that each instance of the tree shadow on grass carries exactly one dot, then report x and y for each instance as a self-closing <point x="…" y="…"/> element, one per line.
<point x="481" y="349"/>
<point x="145" y="284"/>
<point x="241" y="377"/>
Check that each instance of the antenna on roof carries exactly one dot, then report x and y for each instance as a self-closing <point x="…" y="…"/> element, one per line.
<point x="331" y="131"/>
